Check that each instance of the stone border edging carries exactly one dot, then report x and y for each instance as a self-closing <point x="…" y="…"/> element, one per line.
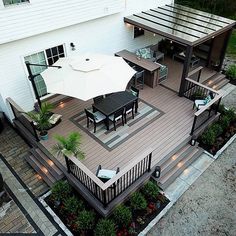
<point x="219" y="152"/>
<point x="52" y="213"/>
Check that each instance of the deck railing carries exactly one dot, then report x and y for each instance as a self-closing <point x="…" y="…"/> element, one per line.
<point x="195" y="89"/>
<point x="25" y="121"/>
<point x="107" y="192"/>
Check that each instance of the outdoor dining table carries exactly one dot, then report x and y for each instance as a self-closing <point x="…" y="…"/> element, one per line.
<point x="112" y="103"/>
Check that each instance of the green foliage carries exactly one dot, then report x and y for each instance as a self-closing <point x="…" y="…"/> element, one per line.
<point x="122" y="215"/>
<point x="72" y="205"/>
<point x="86" y="220"/>
<point x="230" y="113"/>
<point x="61" y="190"/>
<point x="217" y="128"/>
<point x="231" y="72"/>
<point x="209" y="136"/>
<point x="69" y="145"/>
<point x="137" y="201"/>
<point x="105" y="227"/>
<point x="150" y="190"/>
<point x="224" y="122"/>
<point x="231" y="49"/>
<point x="41" y="117"/>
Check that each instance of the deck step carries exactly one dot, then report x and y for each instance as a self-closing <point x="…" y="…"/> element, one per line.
<point x="47" y="163"/>
<point x="175" y="166"/>
<point x="40" y="169"/>
<point x="217" y="81"/>
<point x="57" y="99"/>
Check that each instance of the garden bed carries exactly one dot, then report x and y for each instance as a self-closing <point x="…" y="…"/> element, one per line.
<point x="129" y="218"/>
<point x="220" y="132"/>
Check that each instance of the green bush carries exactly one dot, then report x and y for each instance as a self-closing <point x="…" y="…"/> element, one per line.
<point x="209" y="136"/>
<point x="86" y="220"/>
<point x="150" y="190"/>
<point x="122" y="215"/>
<point x="217" y="129"/>
<point x="137" y="201"/>
<point x="230" y="113"/>
<point x="72" y="205"/>
<point x="231" y="72"/>
<point x="61" y="190"/>
<point x="224" y="122"/>
<point x="105" y="227"/>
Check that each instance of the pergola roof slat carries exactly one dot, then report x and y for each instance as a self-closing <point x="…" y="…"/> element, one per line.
<point x="182" y="24"/>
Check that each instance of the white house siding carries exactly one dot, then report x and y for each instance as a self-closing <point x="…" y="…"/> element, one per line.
<point x="104" y="35"/>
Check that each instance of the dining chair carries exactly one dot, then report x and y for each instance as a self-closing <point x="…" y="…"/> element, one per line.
<point x="94" y="117"/>
<point x="118" y="115"/>
<point x="98" y="99"/>
<point x="108" y="94"/>
<point x="135" y="92"/>
<point x="139" y="79"/>
<point x="129" y="109"/>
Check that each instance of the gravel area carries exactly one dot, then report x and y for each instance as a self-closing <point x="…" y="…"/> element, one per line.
<point x="208" y="207"/>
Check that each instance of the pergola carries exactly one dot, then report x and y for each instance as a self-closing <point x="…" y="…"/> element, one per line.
<point x="188" y="27"/>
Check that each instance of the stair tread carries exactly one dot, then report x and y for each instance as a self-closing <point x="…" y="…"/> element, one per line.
<point x="221" y="84"/>
<point x="47" y="177"/>
<point x="168" y="175"/>
<point x="178" y="156"/>
<point x="46" y="160"/>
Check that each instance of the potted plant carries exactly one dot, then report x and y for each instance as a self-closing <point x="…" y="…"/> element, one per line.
<point x="41" y="119"/>
<point x="231" y="73"/>
<point x="69" y="145"/>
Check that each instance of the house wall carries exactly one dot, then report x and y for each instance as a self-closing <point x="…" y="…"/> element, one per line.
<point x="104" y="35"/>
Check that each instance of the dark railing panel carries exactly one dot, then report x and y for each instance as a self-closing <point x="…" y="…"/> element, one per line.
<point x="117" y="187"/>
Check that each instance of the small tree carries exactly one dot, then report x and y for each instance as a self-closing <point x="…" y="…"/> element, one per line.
<point x="69" y="145"/>
<point x="61" y="190"/>
<point x="231" y="72"/>
<point x="150" y="190"/>
<point x="137" y="201"/>
<point x="122" y="215"/>
<point x="105" y="227"/>
<point x="86" y="220"/>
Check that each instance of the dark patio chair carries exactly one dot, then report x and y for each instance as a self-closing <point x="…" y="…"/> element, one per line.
<point x="135" y="92"/>
<point x="139" y="79"/>
<point x="104" y="174"/>
<point x="94" y="117"/>
<point x="98" y="99"/>
<point x="108" y="94"/>
<point x="118" y="115"/>
<point x="129" y="109"/>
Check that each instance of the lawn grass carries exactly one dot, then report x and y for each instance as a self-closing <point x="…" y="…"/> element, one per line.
<point x="232" y="44"/>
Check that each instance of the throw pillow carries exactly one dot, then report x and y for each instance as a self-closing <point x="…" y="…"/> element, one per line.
<point x="145" y="53"/>
<point x="207" y="99"/>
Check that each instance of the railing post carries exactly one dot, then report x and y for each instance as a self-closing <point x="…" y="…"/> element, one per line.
<point x="217" y="107"/>
<point x="194" y="122"/>
<point x="199" y="75"/>
<point x="149" y="161"/>
<point x="104" y="198"/>
<point x="67" y="163"/>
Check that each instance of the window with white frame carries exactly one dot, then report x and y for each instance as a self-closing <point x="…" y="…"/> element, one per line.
<point x="47" y="57"/>
<point x="11" y="2"/>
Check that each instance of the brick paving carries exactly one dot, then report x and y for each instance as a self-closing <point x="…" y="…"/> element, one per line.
<point x="23" y="214"/>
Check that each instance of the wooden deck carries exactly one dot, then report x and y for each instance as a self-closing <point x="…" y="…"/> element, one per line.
<point x="163" y="135"/>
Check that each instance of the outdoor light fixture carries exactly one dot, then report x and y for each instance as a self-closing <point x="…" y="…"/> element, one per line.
<point x="157" y="172"/>
<point x="72" y="46"/>
<point x="193" y="142"/>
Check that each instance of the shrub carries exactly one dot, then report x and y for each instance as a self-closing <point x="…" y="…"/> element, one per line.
<point x="137" y="201"/>
<point x="230" y="113"/>
<point x="105" y="227"/>
<point x="86" y="220"/>
<point x="224" y="122"/>
<point x="217" y="129"/>
<point x="231" y="72"/>
<point x="208" y="137"/>
<point x="122" y="215"/>
<point x="150" y="190"/>
<point x="72" y="205"/>
<point x="61" y="190"/>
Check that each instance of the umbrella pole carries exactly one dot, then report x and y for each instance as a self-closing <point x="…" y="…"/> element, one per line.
<point x="31" y="78"/>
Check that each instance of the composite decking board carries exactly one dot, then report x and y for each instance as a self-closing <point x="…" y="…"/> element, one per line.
<point x="163" y="99"/>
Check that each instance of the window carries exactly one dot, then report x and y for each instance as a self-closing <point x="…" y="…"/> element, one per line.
<point x="47" y="57"/>
<point x="11" y="2"/>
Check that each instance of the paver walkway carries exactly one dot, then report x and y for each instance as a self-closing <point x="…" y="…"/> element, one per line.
<point x="24" y="214"/>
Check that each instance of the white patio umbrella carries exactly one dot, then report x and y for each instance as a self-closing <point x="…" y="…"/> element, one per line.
<point x="88" y="76"/>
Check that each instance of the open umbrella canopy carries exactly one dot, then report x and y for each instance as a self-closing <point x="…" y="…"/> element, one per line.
<point x="88" y="76"/>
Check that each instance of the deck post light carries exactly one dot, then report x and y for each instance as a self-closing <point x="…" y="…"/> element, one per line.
<point x="157" y="172"/>
<point x="193" y="141"/>
<point x="31" y="78"/>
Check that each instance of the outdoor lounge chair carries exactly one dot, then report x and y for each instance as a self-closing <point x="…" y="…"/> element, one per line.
<point x="94" y="117"/>
<point x="104" y="174"/>
<point x="129" y="109"/>
<point x="199" y="103"/>
<point x="118" y="115"/>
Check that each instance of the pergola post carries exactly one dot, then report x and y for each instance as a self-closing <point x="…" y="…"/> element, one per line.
<point x="187" y="61"/>
<point x="223" y="51"/>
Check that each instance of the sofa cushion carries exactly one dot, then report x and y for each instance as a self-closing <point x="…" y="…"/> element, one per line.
<point x="144" y="53"/>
